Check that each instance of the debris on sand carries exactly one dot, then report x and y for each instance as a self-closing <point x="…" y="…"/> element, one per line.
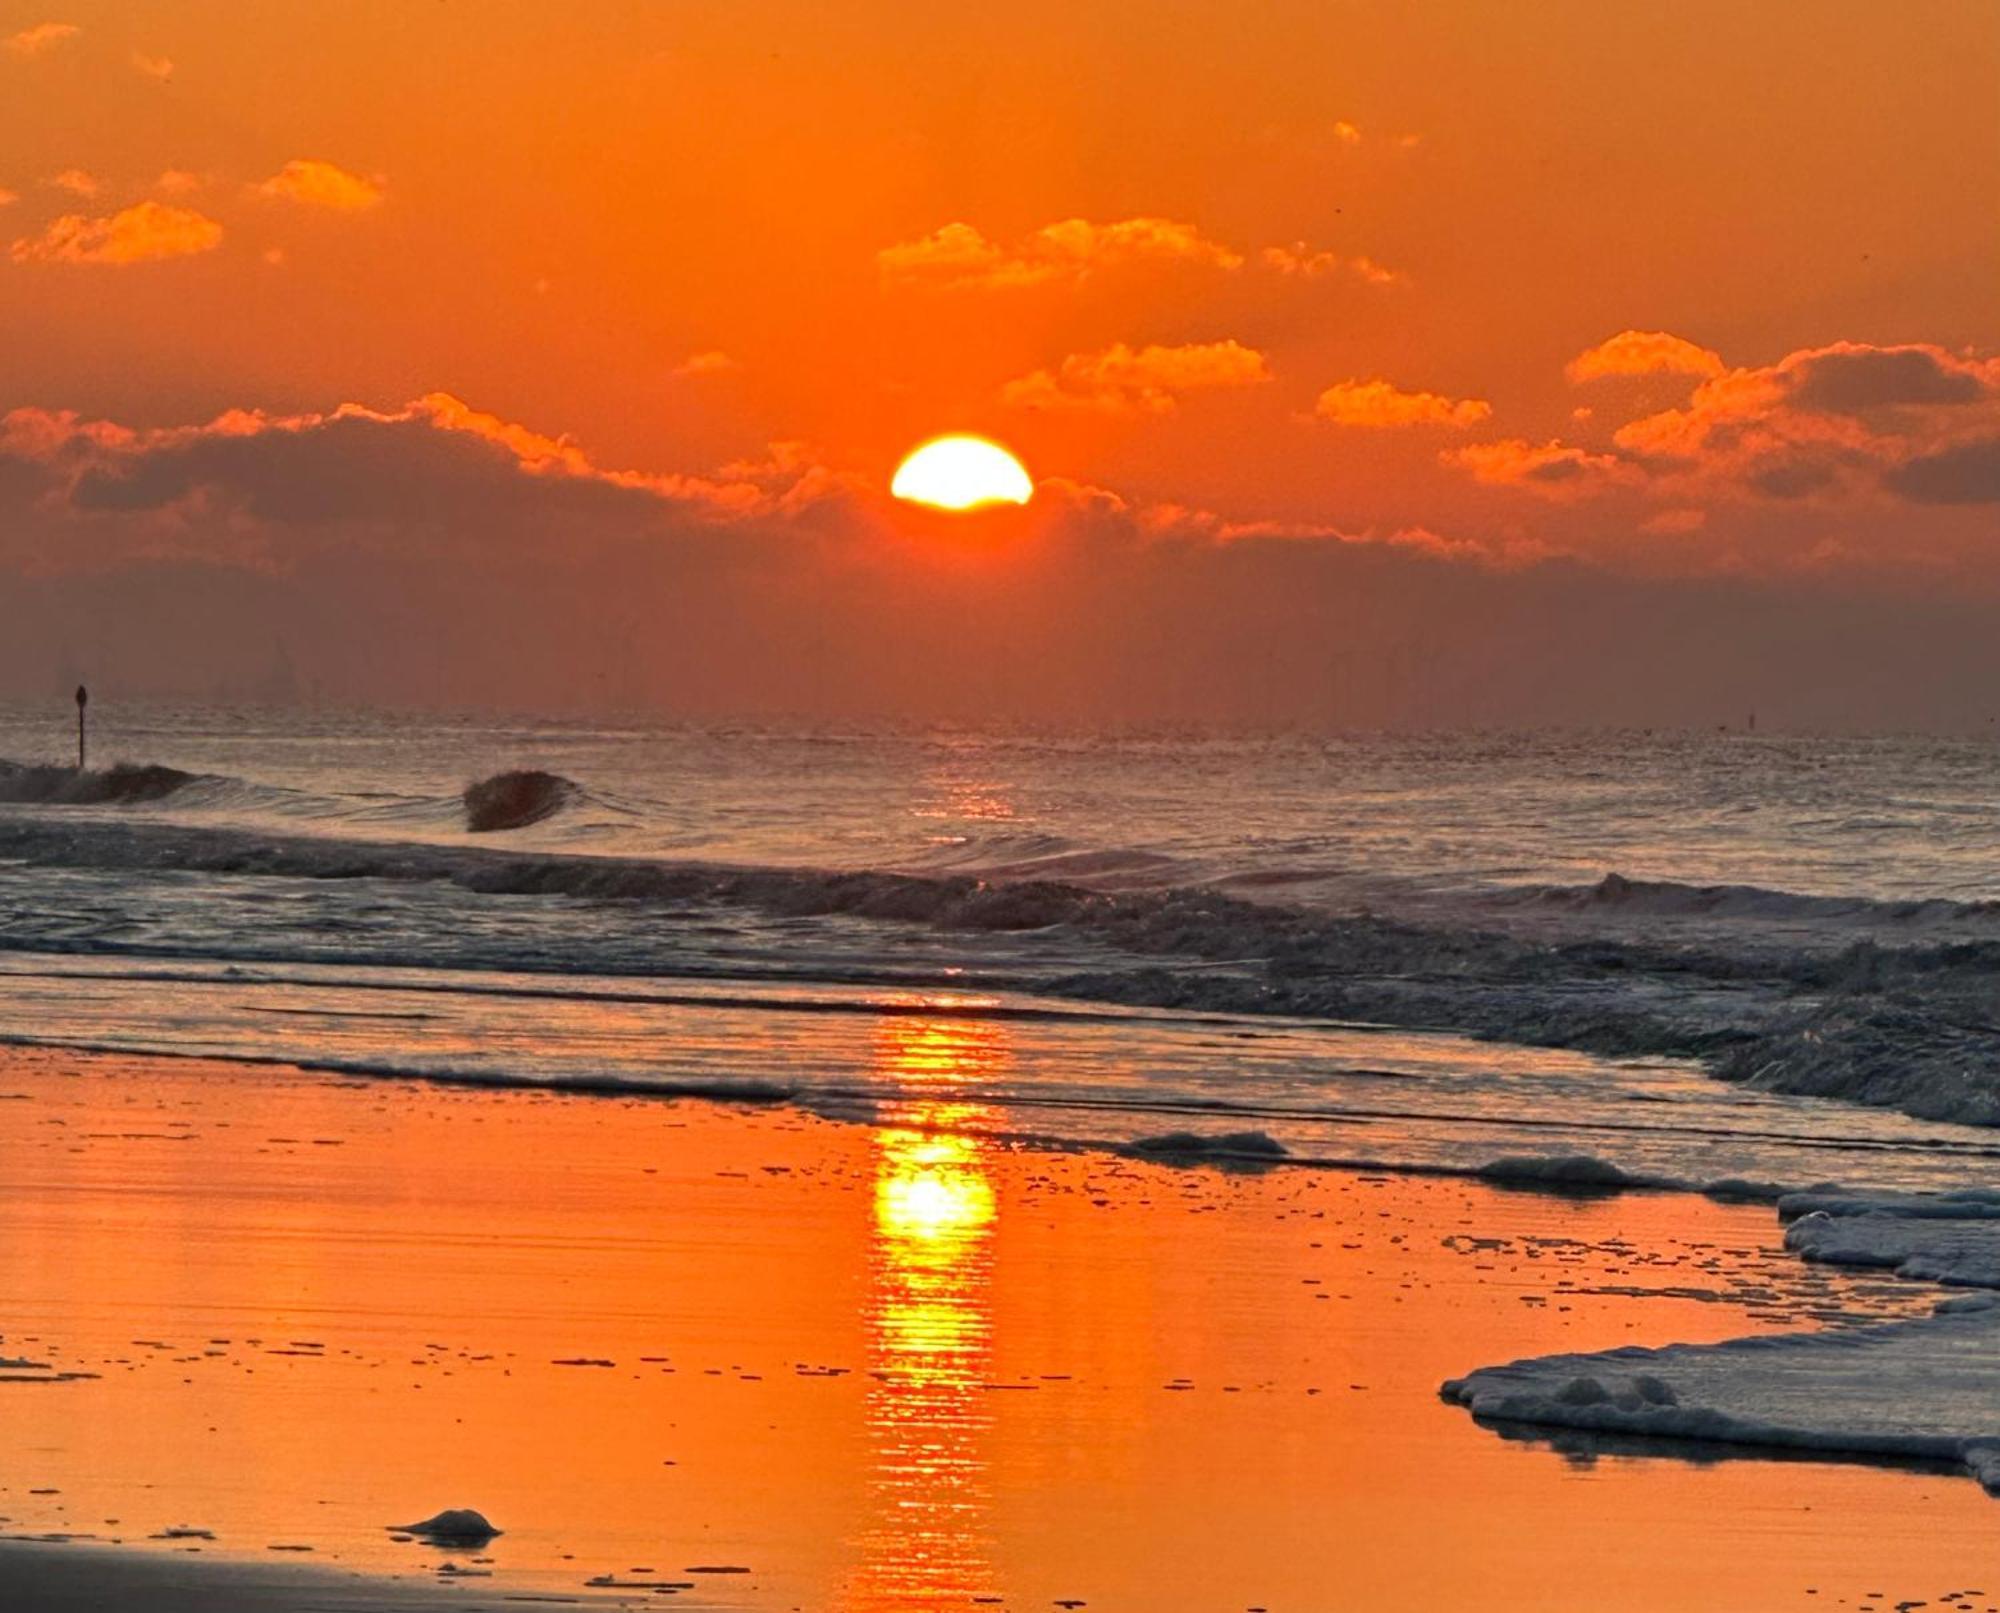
<point x="456" y="1526"/>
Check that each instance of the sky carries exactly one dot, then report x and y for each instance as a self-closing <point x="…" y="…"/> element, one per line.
<point x="1447" y="362"/>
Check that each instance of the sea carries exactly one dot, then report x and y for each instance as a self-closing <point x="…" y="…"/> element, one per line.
<point x="1732" y="961"/>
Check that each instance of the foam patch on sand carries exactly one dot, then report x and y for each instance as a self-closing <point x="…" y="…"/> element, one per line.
<point x="1927" y="1389"/>
<point x="1962" y="1204"/>
<point x="1951" y="1238"/>
<point x="1963" y="1253"/>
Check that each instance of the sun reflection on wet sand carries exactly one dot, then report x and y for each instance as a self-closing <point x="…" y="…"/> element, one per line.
<point x="927" y="1540"/>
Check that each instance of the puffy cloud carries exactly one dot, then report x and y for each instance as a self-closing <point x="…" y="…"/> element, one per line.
<point x="77" y="181"/>
<point x="959" y="255"/>
<point x="1148" y="380"/>
<point x="177" y="182"/>
<point x="1644" y="352"/>
<point x="1828" y="428"/>
<point x="713" y="362"/>
<point x="1347" y="133"/>
<point x="317" y="183"/>
<point x="1374" y="273"/>
<point x="1305" y="262"/>
<point x="1844" y="419"/>
<point x="43" y="37"/>
<point x="1849" y="378"/>
<point x="1553" y="468"/>
<point x="1379" y="403"/>
<point x="154" y="67"/>
<point x="142" y="233"/>
<point x="8" y="197"/>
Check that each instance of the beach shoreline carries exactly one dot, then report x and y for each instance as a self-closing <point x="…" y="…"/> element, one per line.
<point x="301" y="1308"/>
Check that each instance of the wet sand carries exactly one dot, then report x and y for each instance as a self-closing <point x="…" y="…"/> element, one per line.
<point x="68" y="1578"/>
<point x="743" y="1358"/>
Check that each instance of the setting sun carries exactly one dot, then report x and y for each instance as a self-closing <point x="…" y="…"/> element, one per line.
<point x="962" y="473"/>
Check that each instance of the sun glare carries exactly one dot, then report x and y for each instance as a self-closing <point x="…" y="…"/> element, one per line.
<point x="962" y="473"/>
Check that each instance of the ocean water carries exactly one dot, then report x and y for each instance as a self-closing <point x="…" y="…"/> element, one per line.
<point x="1695" y="956"/>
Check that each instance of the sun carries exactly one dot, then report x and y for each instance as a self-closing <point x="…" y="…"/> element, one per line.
<point x="961" y="473"/>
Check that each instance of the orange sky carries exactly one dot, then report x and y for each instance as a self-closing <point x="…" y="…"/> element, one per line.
<point x="1691" y="292"/>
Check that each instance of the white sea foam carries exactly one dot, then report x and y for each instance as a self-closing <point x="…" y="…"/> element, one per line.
<point x="1928" y="1389"/>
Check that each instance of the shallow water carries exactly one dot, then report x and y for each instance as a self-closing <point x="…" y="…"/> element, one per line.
<point x="1012" y="1065"/>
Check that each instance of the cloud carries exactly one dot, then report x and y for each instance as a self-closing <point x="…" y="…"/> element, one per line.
<point x="436" y="553"/>
<point x="8" y="197"/>
<point x="142" y="233"/>
<point x="960" y="256"/>
<point x="709" y="363"/>
<point x="1847" y="419"/>
<point x="154" y="67"/>
<point x="1347" y="133"/>
<point x="1968" y="473"/>
<point x="1843" y="427"/>
<point x="1148" y="380"/>
<point x="1307" y="263"/>
<point x="43" y="37"/>
<point x="317" y="183"/>
<point x="178" y="182"/>
<point x="77" y="181"/>
<point x="1853" y="379"/>
<point x="1552" y="468"/>
<point x="1378" y="403"/>
<point x="1643" y="352"/>
<point x="436" y="459"/>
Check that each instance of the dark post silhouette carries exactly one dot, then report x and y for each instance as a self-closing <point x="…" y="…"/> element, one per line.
<point x="82" y="700"/>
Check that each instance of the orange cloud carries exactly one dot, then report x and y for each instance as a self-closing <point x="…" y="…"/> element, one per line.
<point x="1148" y="380"/>
<point x="709" y="363"/>
<point x="1553" y="468"/>
<point x="435" y="462"/>
<point x="1830" y="426"/>
<point x="8" y="197"/>
<point x="157" y="67"/>
<point x="1303" y="261"/>
<point x="177" y="182"/>
<point x="77" y="181"/>
<point x="317" y="183"/>
<point x="1822" y="421"/>
<point x="1379" y="403"/>
<point x="1643" y="352"/>
<point x="959" y="255"/>
<point x="142" y="233"/>
<point x="44" y="36"/>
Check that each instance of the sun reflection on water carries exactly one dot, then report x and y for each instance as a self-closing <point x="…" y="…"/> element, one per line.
<point x="927" y="1540"/>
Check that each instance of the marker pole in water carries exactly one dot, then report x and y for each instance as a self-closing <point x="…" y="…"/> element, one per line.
<point x="82" y="700"/>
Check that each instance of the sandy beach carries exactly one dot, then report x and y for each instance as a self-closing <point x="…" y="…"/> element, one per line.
<point x="290" y="1310"/>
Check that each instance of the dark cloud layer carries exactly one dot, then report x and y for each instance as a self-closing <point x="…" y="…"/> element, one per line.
<point x="436" y="555"/>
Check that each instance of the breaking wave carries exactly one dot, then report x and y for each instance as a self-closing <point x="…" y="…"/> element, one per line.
<point x="33" y="784"/>
<point x="1666" y="898"/>
<point x="515" y="799"/>
<point x="1877" y="1003"/>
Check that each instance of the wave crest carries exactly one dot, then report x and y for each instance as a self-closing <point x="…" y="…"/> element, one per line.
<point x="40" y="784"/>
<point x="515" y="799"/>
